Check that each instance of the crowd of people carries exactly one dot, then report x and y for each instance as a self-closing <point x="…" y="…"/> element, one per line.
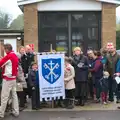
<point x="91" y="76"/>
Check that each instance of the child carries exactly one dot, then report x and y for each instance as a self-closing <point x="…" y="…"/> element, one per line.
<point x="69" y="84"/>
<point x="104" y="87"/>
<point x="33" y="79"/>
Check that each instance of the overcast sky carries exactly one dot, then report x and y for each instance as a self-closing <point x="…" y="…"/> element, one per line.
<point x="11" y="7"/>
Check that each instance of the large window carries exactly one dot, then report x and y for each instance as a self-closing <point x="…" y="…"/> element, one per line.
<point x="66" y="30"/>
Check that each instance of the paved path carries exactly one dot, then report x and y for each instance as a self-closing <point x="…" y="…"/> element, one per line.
<point x="68" y="115"/>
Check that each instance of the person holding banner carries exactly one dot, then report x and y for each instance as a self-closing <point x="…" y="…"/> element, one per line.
<point x="33" y="79"/>
<point x="69" y="84"/>
<point x="80" y="63"/>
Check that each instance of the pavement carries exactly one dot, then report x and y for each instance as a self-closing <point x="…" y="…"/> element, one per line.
<point x="68" y="115"/>
<point x="91" y="111"/>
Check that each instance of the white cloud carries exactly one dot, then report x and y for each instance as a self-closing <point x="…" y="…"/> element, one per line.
<point x="11" y="7"/>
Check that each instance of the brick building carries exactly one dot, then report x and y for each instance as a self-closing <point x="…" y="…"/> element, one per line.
<point x="69" y="23"/>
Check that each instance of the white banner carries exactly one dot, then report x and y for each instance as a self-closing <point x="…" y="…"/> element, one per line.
<point x="51" y="76"/>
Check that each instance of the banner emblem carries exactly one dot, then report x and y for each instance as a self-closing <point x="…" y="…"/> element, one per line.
<point x="51" y="69"/>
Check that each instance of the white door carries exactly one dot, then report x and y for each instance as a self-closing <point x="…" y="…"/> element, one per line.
<point x="13" y="42"/>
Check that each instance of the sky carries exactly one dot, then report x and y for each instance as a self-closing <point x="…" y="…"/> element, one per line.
<point x="11" y="7"/>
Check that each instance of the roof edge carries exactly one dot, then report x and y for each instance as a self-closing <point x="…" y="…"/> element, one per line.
<point x="25" y="2"/>
<point x="110" y="1"/>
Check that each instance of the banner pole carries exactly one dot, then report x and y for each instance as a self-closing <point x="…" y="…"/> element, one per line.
<point x="51" y="49"/>
<point x="52" y="102"/>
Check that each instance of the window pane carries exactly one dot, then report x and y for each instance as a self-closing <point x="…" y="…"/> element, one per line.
<point x="91" y="19"/>
<point x="61" y="20"/>
<point x="77" y="44"/>
<point x="77" y="20"/>
<point x="61" y="46"/>
<point x="93" y="33"/>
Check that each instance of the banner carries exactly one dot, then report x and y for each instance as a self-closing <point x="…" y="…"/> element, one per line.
<point x="51" y="76"/>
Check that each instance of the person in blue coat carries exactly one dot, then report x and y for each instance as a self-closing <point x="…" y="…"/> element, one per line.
<point x="118" y="85"/>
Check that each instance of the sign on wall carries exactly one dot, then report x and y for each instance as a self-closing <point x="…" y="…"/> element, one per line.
<point x="32" y="46"/>
<point x="51" y="76"/>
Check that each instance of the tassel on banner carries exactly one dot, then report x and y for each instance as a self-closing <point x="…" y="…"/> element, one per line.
<point x="41" y="99"/>
<point x="50" y="99"/>
<point x="63" y="97"/>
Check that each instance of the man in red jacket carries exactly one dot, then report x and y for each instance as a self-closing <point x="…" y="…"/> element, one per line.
<point x="9" y="64"/>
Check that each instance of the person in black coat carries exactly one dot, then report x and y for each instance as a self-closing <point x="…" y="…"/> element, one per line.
<point x="29" y="54"/>
<point x="80" y="63"/>
<point x="33" y="79"/>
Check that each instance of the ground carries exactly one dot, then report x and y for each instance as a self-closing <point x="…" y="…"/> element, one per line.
<point x="68" y="115"/>
<point x="91" y="111"/>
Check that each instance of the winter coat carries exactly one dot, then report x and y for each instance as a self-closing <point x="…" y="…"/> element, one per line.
<point x="118" y="67"/>
<point x="111" y="63"/>
<point x="30" y="57"/>
<point x="9" y="63"/>
<point x="104" y="84"/>
<point x="20" y="77"/>
<point x="80" y="64"/>
<point x="69" y="77"/>
<point x="33" y="78"/>
<point x="24" y="63"/>
<point x="97" y="69"/>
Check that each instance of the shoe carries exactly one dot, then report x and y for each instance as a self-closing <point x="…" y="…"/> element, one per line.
<point x="21" y="109"/>
<point x="118" y="101"/>
<point x="118" y="107"/>
<point x="14" y="115"/>
<point x="35" y="108"/>
<point x="1" y="118"/>
<point x="111" y="100"/>
<point x="70" y="105"/>
<point x="105" y="103"/>
<point x="98" y="101"/>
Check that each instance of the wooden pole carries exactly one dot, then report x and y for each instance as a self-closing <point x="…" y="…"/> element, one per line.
<point x="52" y="102"/>
<point x="51" y="49"/>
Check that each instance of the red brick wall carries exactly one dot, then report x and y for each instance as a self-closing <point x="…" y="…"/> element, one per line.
<point x="31" y="25"/>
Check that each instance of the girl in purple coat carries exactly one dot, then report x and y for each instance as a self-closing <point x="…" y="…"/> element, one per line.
<point x="97" y="72"/>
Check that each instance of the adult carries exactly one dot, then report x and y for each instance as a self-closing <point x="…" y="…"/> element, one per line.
<point x="111" y="65"/>
<point x="23" y="60"/>
<point x="30" y="58"/>
<point x="25" y="66"/>
<point x="10" y="69"/>
<point x="90" y="77"/>
<point x="80" y="63"/>
<point x="97" y="73"/>
<point x="30" y="54"/>
<point x="21" y="85"/>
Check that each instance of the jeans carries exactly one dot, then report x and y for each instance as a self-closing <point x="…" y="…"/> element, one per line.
<point x="112" y="88"/>
<point x="35" y="98"/>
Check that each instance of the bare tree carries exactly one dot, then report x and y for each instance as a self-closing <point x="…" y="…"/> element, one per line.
<point x="5" y="19"/>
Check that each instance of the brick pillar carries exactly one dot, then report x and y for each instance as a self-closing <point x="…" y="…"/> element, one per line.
<point x="108" y="24"/>
<point x="31" y="25"/>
